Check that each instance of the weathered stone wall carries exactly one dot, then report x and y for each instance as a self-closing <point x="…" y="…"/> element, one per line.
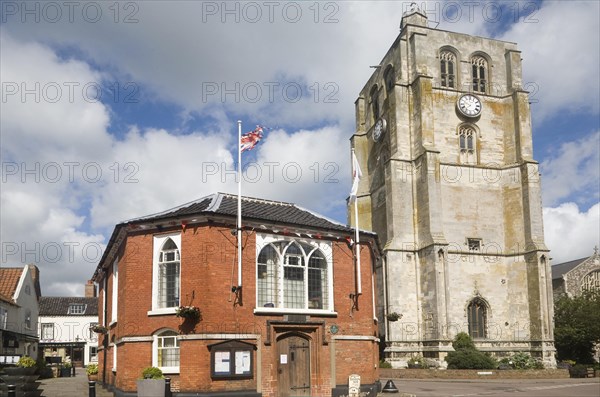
<point x="426" y="199"/>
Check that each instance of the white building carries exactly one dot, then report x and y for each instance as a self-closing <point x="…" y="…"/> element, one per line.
<point x="19" y="293"/>
<point x="65" y="328"/>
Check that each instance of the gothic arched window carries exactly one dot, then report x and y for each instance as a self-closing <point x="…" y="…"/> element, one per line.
<point x="467" y="137"/>
<point x="479" y="68"/>
<point x="477" y="314"/>
<point x="375" y="103"/>
<point x="390" y="79"/>
<point x="448" y="69"/>
<point x="591" y="281"/>
<point x="293" y="275"/>
<point x="168" y="275"/>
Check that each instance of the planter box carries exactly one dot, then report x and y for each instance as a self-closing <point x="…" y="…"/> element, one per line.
<point x="65" y="372"/>
<point x="151" y="388"/>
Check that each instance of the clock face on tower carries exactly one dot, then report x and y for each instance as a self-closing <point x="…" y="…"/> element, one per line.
<point x="379" y="129"/>
<point x="469" y="105"/>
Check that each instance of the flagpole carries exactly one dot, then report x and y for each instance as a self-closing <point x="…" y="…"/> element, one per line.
<point x="356" y="235"/>
<point x="239" y="206"/>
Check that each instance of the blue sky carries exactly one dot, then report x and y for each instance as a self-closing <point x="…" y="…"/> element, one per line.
<point x="112" y="110"/>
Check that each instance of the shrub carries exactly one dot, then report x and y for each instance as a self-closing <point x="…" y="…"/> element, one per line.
<point x="463" y="341"/>
<point x="384" y="364"/>
<point x="466" y="356"/>
<point x="416" y="362"/>
<point x="26" y="362"/>
<point x="522" y="361"/>
<point x="92" y="369"/>
<point x="578" y="371"/>
<point x="470" y="359"/>
<point x="152" y="373"/>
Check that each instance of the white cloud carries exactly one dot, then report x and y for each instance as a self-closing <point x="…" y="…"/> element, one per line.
<point x="561" y="57"/>
<point x="570" y="233"/>
<point x="83" y="180"/>
<point x="573" y="172"/>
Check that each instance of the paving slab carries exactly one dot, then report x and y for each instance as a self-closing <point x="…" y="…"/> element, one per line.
<point x="76" y="386"/>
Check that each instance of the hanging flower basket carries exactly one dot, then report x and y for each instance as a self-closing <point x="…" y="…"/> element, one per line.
<point x="394" y="316"/>
<point x="99" y="329"/>
<point x="189" y="312"/>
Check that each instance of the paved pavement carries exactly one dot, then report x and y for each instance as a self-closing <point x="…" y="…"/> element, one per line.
<point x="76" y="386"/>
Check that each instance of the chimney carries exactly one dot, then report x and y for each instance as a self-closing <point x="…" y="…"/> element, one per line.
<point x="35" y="277"/>
<point x="90" y="289"/>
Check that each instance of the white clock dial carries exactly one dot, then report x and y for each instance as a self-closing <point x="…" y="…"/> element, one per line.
<point x="469" y="105"/>
<point x="379" y="129"/>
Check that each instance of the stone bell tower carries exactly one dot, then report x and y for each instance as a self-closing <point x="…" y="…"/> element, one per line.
<point x="443" y="136"/>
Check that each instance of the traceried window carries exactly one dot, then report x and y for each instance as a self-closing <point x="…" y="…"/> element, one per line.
<point x="293" y="275"/>
<point x="168" y="275"/>
<point x="466" y="141"/>
<point x="479" y="74"/>
<point x="591" y="281"/>
<point x="477" y="313"/>
<point x="448" y="69"/>
<point x="166" y="351"/>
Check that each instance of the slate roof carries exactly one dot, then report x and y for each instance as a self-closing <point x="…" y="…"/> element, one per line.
<point x="59" y="306"/>
<point x="559" y="270"/>
<point x="252" y="208"/>
<point x="9" y="279"/>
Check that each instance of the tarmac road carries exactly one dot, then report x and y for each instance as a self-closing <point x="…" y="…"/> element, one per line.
<point x="497" y="388"/>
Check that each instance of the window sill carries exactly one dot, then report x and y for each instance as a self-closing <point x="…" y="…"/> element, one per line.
<point x="169" y="370"/>
<point x="162" y="312"/>
<point x="312" y="312"/>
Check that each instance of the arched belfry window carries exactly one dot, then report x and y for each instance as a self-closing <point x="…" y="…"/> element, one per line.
<point x="293" y="275"/>
<point x="375" y="103"/>
<point x="448" y="69"/>
<point x="479" y="74"/>
<point x="168" y="275"/>
<point x="477" y="315"/>
<point x="467" y="142"/>
<point x="390" y="79"/>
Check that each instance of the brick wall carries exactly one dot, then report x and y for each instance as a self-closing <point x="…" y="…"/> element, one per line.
<point x="208" y="271"/>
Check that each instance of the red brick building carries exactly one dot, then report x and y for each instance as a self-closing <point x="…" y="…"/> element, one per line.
<point x="295" y="326"/>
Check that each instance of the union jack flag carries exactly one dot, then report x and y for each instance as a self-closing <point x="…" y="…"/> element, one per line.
<point x="251" y="139"/>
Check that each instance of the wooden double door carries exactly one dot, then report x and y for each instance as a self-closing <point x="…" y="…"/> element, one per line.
<point x="293" y="366"/>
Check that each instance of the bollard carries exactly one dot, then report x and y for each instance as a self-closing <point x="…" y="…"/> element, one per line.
<point x="92" y="388"/>
<point x="168" y="387"/>
<point x="12" y="390"/>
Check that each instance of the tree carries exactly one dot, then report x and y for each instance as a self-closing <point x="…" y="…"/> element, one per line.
<point x="577" y="326"/>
